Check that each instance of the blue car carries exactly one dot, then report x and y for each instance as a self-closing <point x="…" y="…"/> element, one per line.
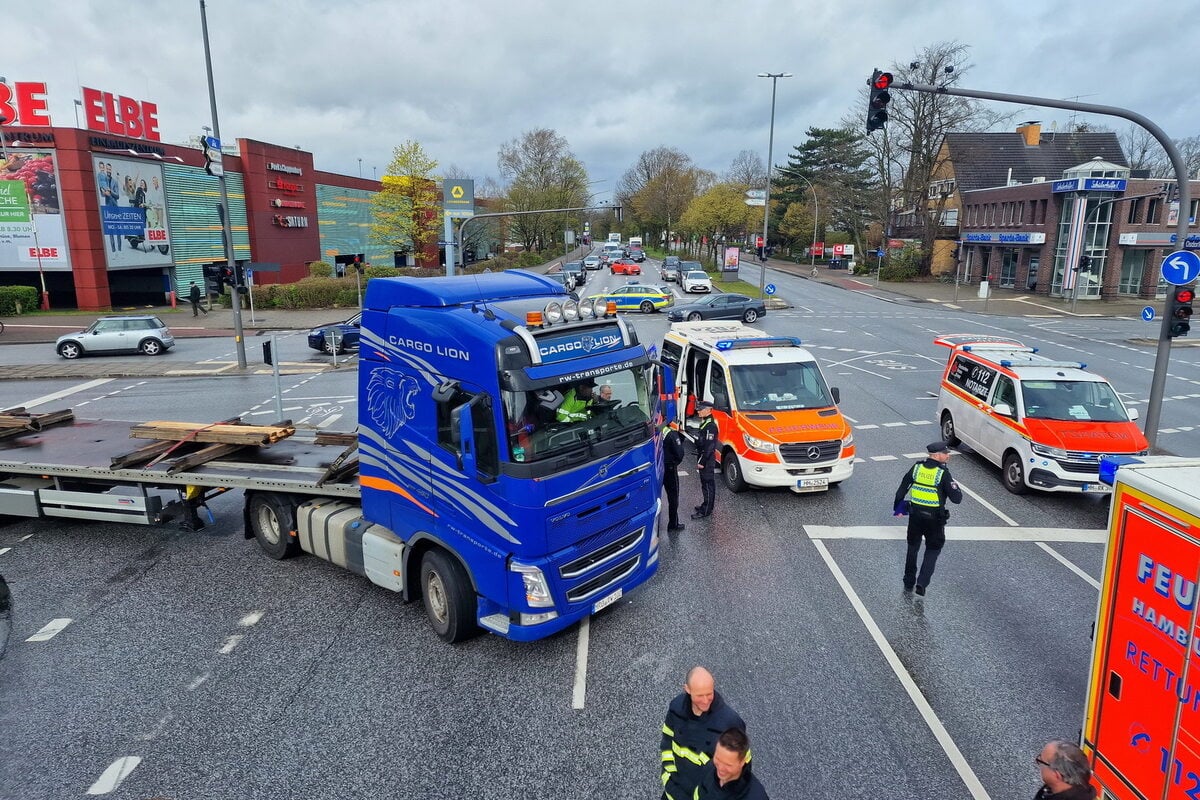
<point x="336" y="337"/>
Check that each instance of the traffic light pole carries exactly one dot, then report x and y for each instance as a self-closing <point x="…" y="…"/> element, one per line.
<point x="227" y="225"/>
<point x="1159" y="381"/>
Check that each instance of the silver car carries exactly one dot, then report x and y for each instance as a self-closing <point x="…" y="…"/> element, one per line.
<point x="144" y="334"/>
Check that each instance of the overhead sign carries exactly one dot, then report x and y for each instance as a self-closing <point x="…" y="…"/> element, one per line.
<point x="757" y="194"/>
<point x="755" y="201"/>
<point x="14" y="202"/>
<point x="1181" y="267"/>
<point x="458" y="198"/>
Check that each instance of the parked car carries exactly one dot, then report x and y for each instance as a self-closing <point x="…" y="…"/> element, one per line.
<point x="343" y="336"/>
<point x="625" y="266"/>
<point x="638" y="255"/>
<point x="140" y="333"/>
<point x="638" y="297"/>
<point x="576" y="271"/>
<point x="670" y="268"/>
<point x="592" y="262"/>
<point x="719" y="306"/>
<point x="696" y="281"/>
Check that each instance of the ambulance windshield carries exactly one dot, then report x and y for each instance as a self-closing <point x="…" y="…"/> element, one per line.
<point x="779" y="387"/>
<point x="1082" y="401"/>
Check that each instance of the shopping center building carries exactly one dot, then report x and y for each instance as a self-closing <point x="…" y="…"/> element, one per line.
<point x="120" y="218"/>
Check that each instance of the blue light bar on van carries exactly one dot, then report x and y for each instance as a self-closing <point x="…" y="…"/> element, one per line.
<point x="999" y="345"/>
<point x="746" y="344"/>
<point x="1110" y="464"/>
<point x="1068" y="364"/>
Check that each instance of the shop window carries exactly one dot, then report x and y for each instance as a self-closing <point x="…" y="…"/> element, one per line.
<point x="1152" y="210"/>
<point x="1133" y="266"/>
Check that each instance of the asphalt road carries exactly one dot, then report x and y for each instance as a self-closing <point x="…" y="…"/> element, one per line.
<point x="231" y="675"/>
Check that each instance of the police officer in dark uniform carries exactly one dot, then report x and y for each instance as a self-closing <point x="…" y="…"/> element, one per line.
<point x="672" y="458"/>
<point x="922" y="495"/>
<point x="706" y="459"/>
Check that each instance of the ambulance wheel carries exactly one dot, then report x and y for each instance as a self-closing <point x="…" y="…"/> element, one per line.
<point x="731" y="470"/>
<point x="948" y="429"/>
<point x="272" y="520"/>
<point x="449" y="598"/>
<point x="1014" y="473"/>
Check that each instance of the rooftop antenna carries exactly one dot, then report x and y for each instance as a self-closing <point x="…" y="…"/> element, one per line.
<point x="1074" y="114"/>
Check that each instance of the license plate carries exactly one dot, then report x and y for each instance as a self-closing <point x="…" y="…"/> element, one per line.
<point x="812" y="483"/>
<point x="1097" y="487"/>
<point x="606" y="602"/>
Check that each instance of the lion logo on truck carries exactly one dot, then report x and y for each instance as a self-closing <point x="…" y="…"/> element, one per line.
<point x="390" y="397"/>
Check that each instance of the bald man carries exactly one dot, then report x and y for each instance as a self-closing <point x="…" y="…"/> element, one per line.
<point x="695" y="720"/>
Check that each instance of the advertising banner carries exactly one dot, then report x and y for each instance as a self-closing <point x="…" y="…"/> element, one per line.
<point x="32" y="233"/>
<point x="731" y="260"/>
<point x="133" y="213"/>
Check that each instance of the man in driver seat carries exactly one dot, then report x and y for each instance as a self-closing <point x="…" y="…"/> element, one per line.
<point x="577" y="403"/>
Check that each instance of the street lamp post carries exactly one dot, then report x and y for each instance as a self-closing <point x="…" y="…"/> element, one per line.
<point x="762" y="275"/>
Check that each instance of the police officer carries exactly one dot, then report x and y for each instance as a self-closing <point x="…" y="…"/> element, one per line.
<point x="577" y="403"/>
<point x="695" y="720"/>
<point x="922" y="495"/>
<point x="672" y="458"/>
<point x="706" y="459"/>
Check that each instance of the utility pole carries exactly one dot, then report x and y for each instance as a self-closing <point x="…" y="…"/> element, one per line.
<point x="1163" y="355"/>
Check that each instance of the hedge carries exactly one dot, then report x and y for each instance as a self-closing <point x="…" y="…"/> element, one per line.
<point x="18" y="299"/>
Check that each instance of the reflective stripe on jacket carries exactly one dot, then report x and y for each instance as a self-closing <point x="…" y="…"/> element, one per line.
<point x="573" y="408"/>
<point x="924" y="491"/>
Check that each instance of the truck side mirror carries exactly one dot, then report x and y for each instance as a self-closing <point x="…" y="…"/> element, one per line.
<point x="462" y="433"/>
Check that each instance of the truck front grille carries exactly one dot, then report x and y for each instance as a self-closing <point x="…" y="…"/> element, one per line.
<point x="596" y="585"/>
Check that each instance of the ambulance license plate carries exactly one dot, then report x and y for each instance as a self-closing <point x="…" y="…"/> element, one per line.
<point x="1097" y="487"/>
<point x="606" y="602"/>
<point x="812" y="483"/>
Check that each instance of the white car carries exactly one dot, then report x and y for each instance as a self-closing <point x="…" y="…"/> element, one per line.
<point x="591" y="262"/>
<point x="696" y="281"/>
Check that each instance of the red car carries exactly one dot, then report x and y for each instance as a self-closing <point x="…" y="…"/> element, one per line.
<point x="625" y="266"/>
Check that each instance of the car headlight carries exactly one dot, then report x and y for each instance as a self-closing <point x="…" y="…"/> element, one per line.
<point x="537" y="591"/>
<point x="848" y="439"/>
<point x="316" y="331"/>
<point x="1048" y="452"/>
<point x="758" y="445"/>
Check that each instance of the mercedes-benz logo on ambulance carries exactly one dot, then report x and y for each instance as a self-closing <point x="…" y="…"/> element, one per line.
<point x="814" y="453"/>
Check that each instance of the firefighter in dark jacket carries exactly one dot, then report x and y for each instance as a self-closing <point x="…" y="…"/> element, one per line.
<point x="706" y="459"/>
<point x="695" y="720"/>
<point x="1066" y="772"/>
<point x="728" y="776"/>
<point x="922" y="495"/>
<point x="672" y="458"/>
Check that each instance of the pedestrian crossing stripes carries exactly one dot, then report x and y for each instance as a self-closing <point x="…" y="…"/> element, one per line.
<point x="964" y="534"/>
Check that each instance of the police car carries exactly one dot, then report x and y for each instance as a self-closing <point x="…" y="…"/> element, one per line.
<point x="638" y="297"/>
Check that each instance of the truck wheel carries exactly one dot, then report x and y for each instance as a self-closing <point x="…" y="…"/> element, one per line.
<point x="731" y="470"/>
<point x="948" y="429"/>
<point x="1013" y="473"/>
<point x="272" y="519"/>
<point x="647" y="307"/>
<point x="449" y="599"/>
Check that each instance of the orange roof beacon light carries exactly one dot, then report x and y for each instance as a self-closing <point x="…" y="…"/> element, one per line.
<point x="533" y="319"/>
<point x="610" y="308"/>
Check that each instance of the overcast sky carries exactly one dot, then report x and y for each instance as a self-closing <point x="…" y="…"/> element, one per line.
<point x="349" y="80"/>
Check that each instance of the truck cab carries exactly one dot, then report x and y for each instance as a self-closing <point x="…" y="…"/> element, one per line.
<point x="506" y="513"/>
<point x="778" y="421"/>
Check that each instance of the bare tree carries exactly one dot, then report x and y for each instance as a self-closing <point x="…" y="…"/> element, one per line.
<point x="542" y="173"/>
<point x="747" y="169"/>
<point x="658" y="188"/>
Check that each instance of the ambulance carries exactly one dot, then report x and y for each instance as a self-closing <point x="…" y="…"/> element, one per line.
<point x="1142" y="719"/>
<point x="778" y="422"/>
<point x="1045" y="423"/>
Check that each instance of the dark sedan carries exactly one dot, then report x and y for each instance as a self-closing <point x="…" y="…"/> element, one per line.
<point x="576" y="270"/>
<point x="720" y="306"/>
<point x="336" y="336"/>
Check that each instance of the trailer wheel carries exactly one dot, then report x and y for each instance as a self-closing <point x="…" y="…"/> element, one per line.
<point x="449" y="599"/>
<point x="272" y="519"/>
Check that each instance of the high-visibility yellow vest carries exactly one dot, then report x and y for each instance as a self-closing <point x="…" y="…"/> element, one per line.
<point x="924" y="491"/>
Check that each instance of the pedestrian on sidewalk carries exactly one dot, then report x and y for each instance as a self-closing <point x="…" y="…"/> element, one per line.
<point x="672" y="458"/>
<point x="194" y="299"/>
<point x="922" y="495"/>
<point x="706" y="459"/>
<point x="695" y="721"/>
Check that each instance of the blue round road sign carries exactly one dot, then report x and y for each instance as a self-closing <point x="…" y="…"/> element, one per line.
<point x="770" y="290"/>
<point x="1181" y="267"/>
<point x="1148" y="313"/>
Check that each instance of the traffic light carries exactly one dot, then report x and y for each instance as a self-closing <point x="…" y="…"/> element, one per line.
<point x="1180" y="310"/>
<point x="877" y="115"/>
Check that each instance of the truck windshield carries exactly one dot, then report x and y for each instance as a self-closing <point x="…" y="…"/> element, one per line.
<point x="779" y="387"/>
<point x="552" y="422"/>
<point x="1084" y="401"/>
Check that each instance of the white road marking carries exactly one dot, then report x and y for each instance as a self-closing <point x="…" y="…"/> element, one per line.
<point x="4" y="550"/>
<point x="26" y="537"/>
<point x="921" y="421"/>
<point x="865" y="427"/>
<point x="965" y="534"/>
<point x="1059" y="557"/>
<point x="329" y="420"/>
<point x="883" y="458"/>
<point x="910" y="687"/>
<point x="49" y="398"/>
<point x="915" y="455"/>
<point x="230" y="643"/>
<point x="579" y="690"/>
<point x="162" y="723"/>
<point x="198" y="681"/>
<point x="50" y="630"/>
<point x="251" y="619"/>
<point x="894" y="424"/>
<point x="117" y="772"/>
<point x="1007" y="519"/>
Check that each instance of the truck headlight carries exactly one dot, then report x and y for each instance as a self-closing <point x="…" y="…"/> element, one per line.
<point x="758" y="445"/>
<point x="1048" y="452"/>
<point x="537" y="591"/>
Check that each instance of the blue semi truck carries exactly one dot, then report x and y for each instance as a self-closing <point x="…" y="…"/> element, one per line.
<point x="481" y="479"/>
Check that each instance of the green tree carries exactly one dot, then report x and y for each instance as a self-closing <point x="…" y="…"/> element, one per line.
<point x="542" y="172"/>
<point x="835" y="162"/>
<point x="719" y="214"/>
<point x="658" y="188"/>
<point x="406" y="212"/>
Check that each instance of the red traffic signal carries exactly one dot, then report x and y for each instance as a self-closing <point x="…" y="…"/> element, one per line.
<point x="877" y="115"/>
<point x="1180" y="311"/>
<point x="883" y="80"/>
<point x="1184" y="295"/>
